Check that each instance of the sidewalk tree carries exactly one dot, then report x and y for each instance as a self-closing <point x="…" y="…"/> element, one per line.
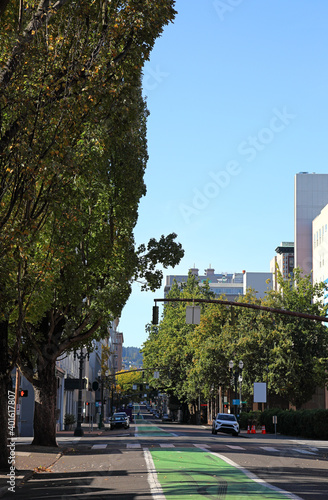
<point x="94" y="283"/>
<point x="288" y="353"/>
<point x="127" y="380"/>
<point x="168" y="348"/>
<point x="298" y="361"/>
<point x="65" y="69"/>
<point x="211" y="342"/>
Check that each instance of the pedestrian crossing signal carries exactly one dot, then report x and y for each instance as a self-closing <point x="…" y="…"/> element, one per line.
<point x="23" y="393"/>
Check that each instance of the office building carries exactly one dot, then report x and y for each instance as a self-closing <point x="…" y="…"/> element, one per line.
<point x="320" y="247"/>
<point x="230" y="285"/>
<point x="310" y="197"/>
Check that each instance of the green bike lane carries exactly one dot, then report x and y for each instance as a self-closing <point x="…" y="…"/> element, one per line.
<point x="196" y="473"/>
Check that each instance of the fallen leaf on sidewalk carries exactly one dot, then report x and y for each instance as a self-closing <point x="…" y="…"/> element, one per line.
<point x="41" y="468"/>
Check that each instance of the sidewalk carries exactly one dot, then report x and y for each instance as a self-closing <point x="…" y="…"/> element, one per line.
<point x="32" y="459"/>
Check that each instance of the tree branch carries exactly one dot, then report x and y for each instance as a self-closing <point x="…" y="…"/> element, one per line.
<point x="39" y="18"/>
<point x="79" y="335"/>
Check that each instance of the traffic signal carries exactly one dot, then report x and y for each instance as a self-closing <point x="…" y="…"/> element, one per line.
<point x="87" y="404"/>
<point x="155" y="315"/>
<point x="23" y="393"/>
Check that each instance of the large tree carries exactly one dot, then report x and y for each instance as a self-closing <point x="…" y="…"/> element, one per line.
<point x="66" y="68"/>
<point x="94" y="236"/>
<point x="170" y="346"/>
<point x="298" y="347"/>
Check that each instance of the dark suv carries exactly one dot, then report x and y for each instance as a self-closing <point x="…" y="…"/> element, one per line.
<point x="225" y="422"/>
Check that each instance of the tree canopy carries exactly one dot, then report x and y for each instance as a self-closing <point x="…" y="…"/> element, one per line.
<point x="289" y="353"/>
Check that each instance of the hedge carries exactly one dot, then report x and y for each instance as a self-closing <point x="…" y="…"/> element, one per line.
<point x="301" y="423"/>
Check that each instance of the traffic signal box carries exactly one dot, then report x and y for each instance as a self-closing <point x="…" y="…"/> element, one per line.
<point x="155" y="315"/>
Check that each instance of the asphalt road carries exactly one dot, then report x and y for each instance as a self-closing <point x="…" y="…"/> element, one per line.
<point x="170" y="461"/>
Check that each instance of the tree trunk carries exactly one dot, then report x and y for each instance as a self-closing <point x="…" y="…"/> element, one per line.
<point x="5" y="398"/>
<point x="45" y="392"/>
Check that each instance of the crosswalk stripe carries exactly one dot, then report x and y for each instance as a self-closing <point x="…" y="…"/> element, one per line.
<point x="133" y="445"/>
<point x="305" y="452"/>
<point x="98" y="446"/>
<point x="235" y="447"/>
<point x="268" y="448"/>
<point x="166" y="445"/>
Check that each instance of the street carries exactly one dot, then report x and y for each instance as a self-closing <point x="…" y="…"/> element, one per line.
<point x="173" y="461"/>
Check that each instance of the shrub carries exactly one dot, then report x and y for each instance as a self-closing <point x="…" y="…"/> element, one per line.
<point x="69" y="419"/>
<point x="303" y="423"/>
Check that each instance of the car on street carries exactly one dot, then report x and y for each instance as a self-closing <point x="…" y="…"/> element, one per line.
<point x="119" y="419"/>
<point x="166" y="418"/>
<point x="225" y="422"/>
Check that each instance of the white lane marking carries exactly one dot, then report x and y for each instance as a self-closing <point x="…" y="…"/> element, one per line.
<point x="155" y="487"/>
<point x="268" y="448"/>
<point x="98" y="446"/>
<point x="234" y="447"/>
<point x="252" y="476"/>
<point x="305" y="452"/>
<point x="133" y="445"/>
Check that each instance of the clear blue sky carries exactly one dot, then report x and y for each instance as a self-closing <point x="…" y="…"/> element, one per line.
<point x="238" y="101"/>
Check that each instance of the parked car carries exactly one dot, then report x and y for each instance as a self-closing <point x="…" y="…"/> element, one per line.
<point x="166" y="418"/>
<point x="119" y="420"/>
<point x="225" y="422"/>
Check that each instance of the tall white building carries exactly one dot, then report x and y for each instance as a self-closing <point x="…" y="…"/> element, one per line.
<point x="310" y="197"/>
<point x="320" y="247"/>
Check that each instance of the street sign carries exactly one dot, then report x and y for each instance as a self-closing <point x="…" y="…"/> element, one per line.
<point x="260" y="392"/>
<point x="193" y="315"/>
<point x="236" y="402"/>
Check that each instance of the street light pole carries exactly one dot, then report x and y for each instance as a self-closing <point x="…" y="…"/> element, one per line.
<point x="78" y="430"/>
<point x="101" y="381"/>
<point x="240" y="379"/>
<point x="236" y="376"/>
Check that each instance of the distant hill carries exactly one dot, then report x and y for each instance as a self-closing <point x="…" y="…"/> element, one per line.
<point x="131" y="356"/>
